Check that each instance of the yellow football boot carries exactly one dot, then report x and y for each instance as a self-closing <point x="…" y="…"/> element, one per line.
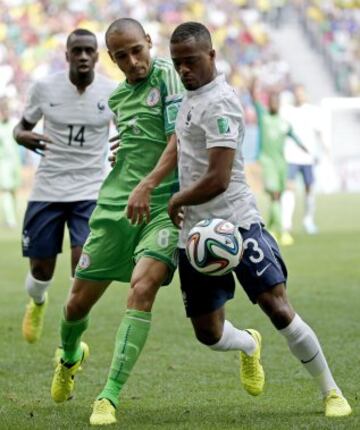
<point x="33" y="321"/>
<point x="252" y="374"/>
<point x="103" y="413"/>
<point x="336" y="405"/>
<point x="286" y="239"/>
<point x="63" y="381"/>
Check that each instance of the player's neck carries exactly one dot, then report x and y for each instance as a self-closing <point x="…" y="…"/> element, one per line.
<point x="81" y="81"/>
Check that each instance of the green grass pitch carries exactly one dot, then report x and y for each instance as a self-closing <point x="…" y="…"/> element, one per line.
<point x="178" y="383"/>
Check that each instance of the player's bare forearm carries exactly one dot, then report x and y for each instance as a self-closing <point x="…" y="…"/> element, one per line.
<point x="202" y="191"/>
<point x="138" y="206"/>
<point x="208" y="187"/>
<point x="24" y="136"/>
<point x="214" y="182"/>
<point x="166" y="164"/>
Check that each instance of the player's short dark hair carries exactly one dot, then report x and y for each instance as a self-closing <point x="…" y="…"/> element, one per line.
<point x="120" y="25"/>
<point x="80" y="32"/>
<point x="189" y="30"/>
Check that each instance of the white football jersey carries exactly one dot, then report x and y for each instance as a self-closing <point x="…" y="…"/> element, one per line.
<point x="306" y="122"/>
<point x="74" y="164"/>
<point x="210" y="117"/>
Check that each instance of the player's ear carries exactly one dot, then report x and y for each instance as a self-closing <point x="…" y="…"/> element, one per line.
<point x="67" y="56"/>
<point x="212" y="54"/>
<point x="112" y="58"/>
<point x="149" y="41"/>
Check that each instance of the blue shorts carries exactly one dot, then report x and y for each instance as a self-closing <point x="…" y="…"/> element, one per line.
<point x="261" y="268"/>
<point x="44" y="225"/>
<point x="306" y="170"/>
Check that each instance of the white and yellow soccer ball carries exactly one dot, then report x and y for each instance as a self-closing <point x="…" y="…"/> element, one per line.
<point x="214" y="246"/>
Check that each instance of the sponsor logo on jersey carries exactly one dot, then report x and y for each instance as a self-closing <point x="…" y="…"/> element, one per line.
<point x="223" y="125"/>
<point x="101" y="105"/>
<point x="153" y="97"/>
<point x="84" y="261"/>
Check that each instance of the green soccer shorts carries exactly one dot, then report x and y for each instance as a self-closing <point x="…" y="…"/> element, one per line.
<point x="114" y="245"/>
<point x="274" y="174"/>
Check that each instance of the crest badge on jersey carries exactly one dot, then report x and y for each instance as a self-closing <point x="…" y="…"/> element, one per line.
<point x="101" y="105"/>
<point x="153" y="97"/>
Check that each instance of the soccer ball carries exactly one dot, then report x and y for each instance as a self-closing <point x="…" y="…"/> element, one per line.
<point x="214" y="246"/>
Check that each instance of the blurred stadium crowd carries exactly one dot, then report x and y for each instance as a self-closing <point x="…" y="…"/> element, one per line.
<point x="333" y="29"/>
<point x="33" y="34"/>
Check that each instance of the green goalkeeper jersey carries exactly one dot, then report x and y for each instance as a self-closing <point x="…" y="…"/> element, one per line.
<point x="145" y="117"/>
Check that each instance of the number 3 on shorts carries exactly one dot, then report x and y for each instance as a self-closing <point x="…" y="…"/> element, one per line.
<point x="259" y="254"/>
<point x="163" y="238"/>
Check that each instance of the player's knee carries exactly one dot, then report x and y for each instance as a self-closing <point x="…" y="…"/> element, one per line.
<point x="277" y="308"/>
<point x="76" y="309"/>
<point x="42" y="272"/>
<point x="142" y="294"/>
<point x="281" y="316"/>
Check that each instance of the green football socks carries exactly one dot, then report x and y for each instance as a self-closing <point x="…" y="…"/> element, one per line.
<point x="130" y="340"/>
<point x="71" y="332"/>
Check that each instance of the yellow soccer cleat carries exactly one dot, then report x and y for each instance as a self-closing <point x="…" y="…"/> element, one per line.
<point x="252" y="374"/>
<point x="286" y="239"/>
<point x="63" y="381"/>
<point x="336" y="405"/>
<point x="34" y="320"/>
<point x="58" y="355"/>
<point x="103" y="413"/>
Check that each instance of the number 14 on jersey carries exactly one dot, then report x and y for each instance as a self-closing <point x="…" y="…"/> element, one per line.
<point x="76" y="135"/>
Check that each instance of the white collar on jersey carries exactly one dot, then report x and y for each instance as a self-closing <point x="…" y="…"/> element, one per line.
<point x="219" y="79"/>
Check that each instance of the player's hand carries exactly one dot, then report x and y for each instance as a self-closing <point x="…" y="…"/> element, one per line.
<point x="35" y="142"/>
<point x="114" y="149"/>
<point x="176" y="211"/>
<point x="138" y="206"/>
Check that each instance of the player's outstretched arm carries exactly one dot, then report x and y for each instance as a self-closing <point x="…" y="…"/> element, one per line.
<point x="297" y="140"/>
<point x="214" y="182"/>
<point x="24" y="136"/>
<point x="138" y="206"/>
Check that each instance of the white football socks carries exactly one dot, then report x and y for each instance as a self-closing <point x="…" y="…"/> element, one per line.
<point x="235" y="339"/>
<point x="309" y="205"/>
<point x="36" y="289"/>
<point x="287" y="209"/>
<point x="304" y="345"/>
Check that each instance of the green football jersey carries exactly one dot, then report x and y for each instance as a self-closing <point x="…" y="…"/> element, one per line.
<point x="145" y="117"/>
<point x="273" y="132"/>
